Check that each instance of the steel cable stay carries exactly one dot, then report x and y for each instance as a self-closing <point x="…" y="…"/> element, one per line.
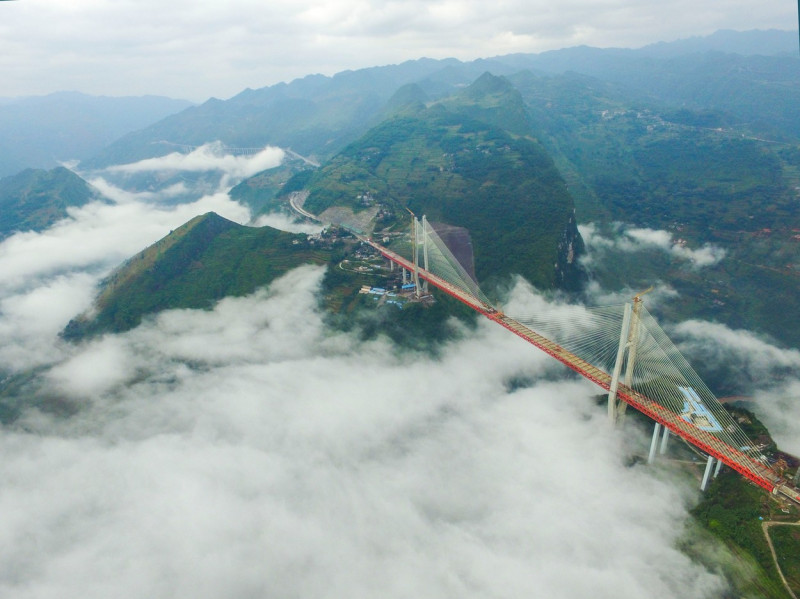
<point x="660" y="371"/>
<point x="659" y="381"/>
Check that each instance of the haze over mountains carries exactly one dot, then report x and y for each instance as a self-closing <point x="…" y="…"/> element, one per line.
<point x="43" y="131"/>
<point x="318" y="115"/>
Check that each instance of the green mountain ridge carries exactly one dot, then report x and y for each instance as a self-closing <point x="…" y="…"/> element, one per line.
<point x="441" y="162"/>
<point x="201" y="262"/>
<point x="687" y="172"/>
<point x="493" y="100"/>
<point x="35" y="199"/>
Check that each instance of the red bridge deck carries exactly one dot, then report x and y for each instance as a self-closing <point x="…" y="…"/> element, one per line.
<point x="731" y="456"/>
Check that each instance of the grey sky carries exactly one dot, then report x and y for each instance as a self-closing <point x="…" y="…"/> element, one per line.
<point x="196" y="49"/>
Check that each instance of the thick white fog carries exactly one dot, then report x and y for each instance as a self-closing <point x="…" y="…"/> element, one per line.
<point x="635" y="239"/>
<point x="251" y="451"/>
<point x="208" y="157"/>
<point x="49" y="277"/>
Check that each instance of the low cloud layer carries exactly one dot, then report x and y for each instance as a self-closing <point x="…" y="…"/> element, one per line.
<point x="208" y="157"/>
<point x="48" y="277"/>
<point x="631" y="239"/>
<point x="278" y="220"/>
<point x="249" y="451"/>
<point x="660" y="293"/>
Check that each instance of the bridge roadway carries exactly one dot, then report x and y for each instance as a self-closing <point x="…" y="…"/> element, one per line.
<point x="753" y="470"/>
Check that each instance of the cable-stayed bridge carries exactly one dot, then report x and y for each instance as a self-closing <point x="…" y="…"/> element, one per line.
<point x="620" y="348"/>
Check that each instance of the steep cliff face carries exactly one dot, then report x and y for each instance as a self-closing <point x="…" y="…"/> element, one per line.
<point x="570" y="276"/>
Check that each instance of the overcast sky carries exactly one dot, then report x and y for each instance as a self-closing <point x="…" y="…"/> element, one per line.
<point x="195" y="49"/>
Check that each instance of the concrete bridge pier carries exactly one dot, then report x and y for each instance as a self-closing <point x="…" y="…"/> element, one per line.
<point x="707" y="473"/>
<point x="654" y="443"/>
<point x="664" y="440"/>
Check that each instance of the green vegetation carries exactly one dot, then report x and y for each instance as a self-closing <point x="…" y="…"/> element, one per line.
<point x="698" y="175"/>
<point x="734" y="510"/>
<point x="492" y="100"/>
<point x="415" y="326"/>
<point x="503" y="188"/>
<point x="203" y="261"/>
<point x="35" y="199"/>
<point x="259" y="192"/>
<point x="731" y="509"/>
<point x="786" y="540"/>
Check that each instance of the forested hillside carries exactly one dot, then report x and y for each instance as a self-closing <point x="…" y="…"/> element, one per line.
<point x="35" y="199"/>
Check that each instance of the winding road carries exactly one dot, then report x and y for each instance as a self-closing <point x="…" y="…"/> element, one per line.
<point x="765" y="526"/>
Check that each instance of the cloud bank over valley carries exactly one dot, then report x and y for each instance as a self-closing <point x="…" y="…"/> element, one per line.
<point x="48" y="277"/>
<point x="628" y="239"/>
<point x="208" y="157"/>
<point x="250" y="451"/>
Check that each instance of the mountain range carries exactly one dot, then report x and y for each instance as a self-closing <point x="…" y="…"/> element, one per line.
<point x="319" y="115"/>
<point x="667" y="137"/>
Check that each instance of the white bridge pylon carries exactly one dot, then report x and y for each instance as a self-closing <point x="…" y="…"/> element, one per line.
<point x="438" y="259"/>
<point x="626" y="353"/>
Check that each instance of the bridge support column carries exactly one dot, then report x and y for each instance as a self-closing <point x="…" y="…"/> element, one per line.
<point x="405" y="276"/>
<point x="654" y="443"/>
<point x="718" y="468"/>
<point x="415" y="244"/>
<point x="664" y="440"/>
<point x="623" y="343"/>
<point x="707" y="473"/>
<point x="425" y="226"/>
<point x="632" y="345"/>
